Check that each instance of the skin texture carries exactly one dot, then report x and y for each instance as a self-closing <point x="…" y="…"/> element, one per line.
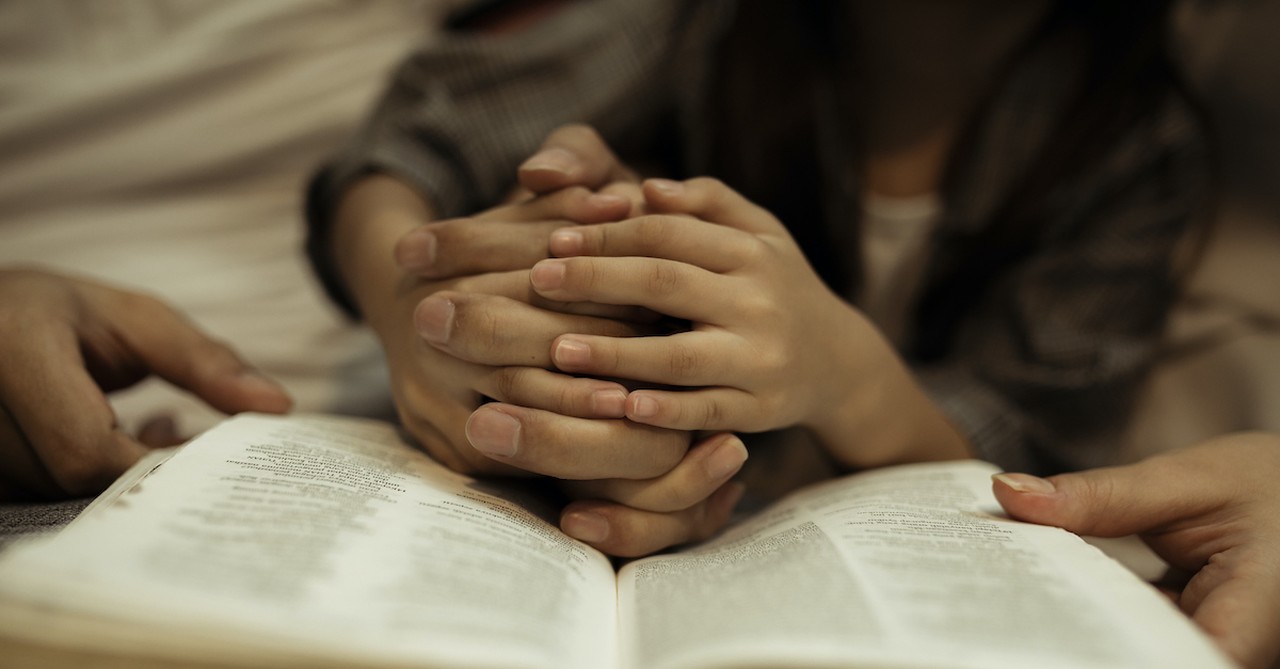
<point x="67" y="343"/>
<point x="467" y="343"/>
<point x="769" y="346"/>
<point x="1210" y="511"/>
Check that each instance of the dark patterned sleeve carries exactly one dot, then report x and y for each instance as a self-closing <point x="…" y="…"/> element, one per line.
<point x="462" y="112"/>
<point x="1044" y="372"/>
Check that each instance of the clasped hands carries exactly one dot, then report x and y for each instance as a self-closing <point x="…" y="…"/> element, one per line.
<point x="611" y="334"/>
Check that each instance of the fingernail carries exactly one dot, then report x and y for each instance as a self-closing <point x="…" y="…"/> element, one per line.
<point x="612" y="403"/>
<point x="566" y="242"/>
<point x="570" y="353"/>
<point x="643" y="406"/>
<point x="494" y="433"/>
<point x="272" y="395"/>
<point x="416" y="251"/>
<point x="666" y="186"/>
<point x="585" y="526"/>
<point x="603" y="200"/>
<point x="725" y="460"/>
<point x="434" y="319"/>
<point x="1026" y="483"/>
<point x="552" y="160"/>
<point x="547" y="274"/>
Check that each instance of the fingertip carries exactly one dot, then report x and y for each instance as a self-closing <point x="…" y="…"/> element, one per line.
<point x="416" y="251"/>
<point x="642" y="407"/>
<point x="1025" y="497"/>
<point x="263" y="394"/>
<point x="662" y="190"/>
<point x="609" y="402"/>
<point x="1024" y="483"/>
<point x="726" y="458"/>
<point x="566" y="242"/>
<point x="585" y="525"/>
<point x="549" y="169"/>
<point x="548" y="275"/>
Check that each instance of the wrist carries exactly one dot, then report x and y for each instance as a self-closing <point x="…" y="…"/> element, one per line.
<point x="877" y="413"/>
<point x="372" y="216"/>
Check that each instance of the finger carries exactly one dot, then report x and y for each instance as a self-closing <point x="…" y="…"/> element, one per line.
<point x="704" y="469"/>
<point x="682" y="239"/>
<point x="1233" y="599"/>
<point x="573" y="448"/>
<point x="503" y="238"/>
<point x="718" y="408"/>
<point x="436" y="421"/>
<point x="710" y="200"/>
<point x="572" y="155"/>
<point x="499" y="331"/>
<point x="696" y="358"/>
<point x="459" y="247"/>
<point x="665" y="286"/>
<point x="1107" y="502"/>
<point x="63" y="416"/>
<point x="159" y="432"/>
<point x="620" y="530"/>
<point x="515" y="285"/>
<point x="22" y="475"/>
<point x="574" y="204"/>
<point x="542" y="389"/>
<point x="172" y="348"/>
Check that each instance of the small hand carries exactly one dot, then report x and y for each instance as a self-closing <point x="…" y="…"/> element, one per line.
<point x="766" y="333"/>
<point x="635" y="517"/>
<point x="1210" y="510"/>
<point x="69" y="341"/>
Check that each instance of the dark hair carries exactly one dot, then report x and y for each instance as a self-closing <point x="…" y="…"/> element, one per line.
<point x="767" y="149"/>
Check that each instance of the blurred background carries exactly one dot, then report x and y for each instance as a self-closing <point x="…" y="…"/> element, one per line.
<point x="163" y="145"/>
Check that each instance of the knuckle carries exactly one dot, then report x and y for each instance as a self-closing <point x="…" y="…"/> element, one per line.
<point x="508" y="382"/>
<point x="712" y="414"/>
<point x="663" y="279"/>
<point x="578" y="134"/>
<point x="651" y="233"/>
<point x="477" y="329"/>
<point x="581" y="273"/>
<point x="684" y="361"/>
<point x="752" y="250"/>
<point x="708" y="184"/>
<point x="79" y="471"/>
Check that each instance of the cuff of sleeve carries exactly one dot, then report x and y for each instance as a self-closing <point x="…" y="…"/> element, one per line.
<point x="996" y="430"/>
<point x="437" y="183"/>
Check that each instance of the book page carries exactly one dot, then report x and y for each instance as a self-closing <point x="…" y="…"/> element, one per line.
<point x="329" y="538"/>
<point x="912" y="566"/>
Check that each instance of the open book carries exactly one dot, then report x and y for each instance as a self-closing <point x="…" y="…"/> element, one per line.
<point x="312" y="541"/>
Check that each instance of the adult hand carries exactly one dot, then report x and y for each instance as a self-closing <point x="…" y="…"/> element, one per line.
<point x="453" y="344"/>
<point x="1211" y="510"/>
<point x="574" y="163"/>
<point x="69" y="341"/>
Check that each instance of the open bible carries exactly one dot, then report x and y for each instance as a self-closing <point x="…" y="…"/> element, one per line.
<point x="317" y="541"/>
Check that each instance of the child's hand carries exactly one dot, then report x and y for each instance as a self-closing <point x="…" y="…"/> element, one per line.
<point x="770" y="345"/>
<point x="1211" y="510"/>
<point x="760" y="351"/>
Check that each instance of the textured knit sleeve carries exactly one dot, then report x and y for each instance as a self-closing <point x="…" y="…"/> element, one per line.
<point x="462" y="112"/>
<point x="1044" y="372"/>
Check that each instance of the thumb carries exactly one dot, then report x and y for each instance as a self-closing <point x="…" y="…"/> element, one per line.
<point x="573" y="155"/>
<point x="1107" y="502"/>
